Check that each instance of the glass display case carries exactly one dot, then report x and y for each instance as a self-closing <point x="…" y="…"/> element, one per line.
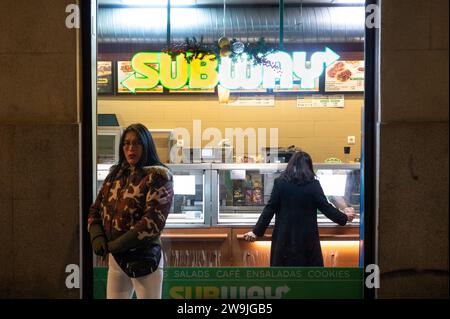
<point x="108" y="140"/>
<point x="341" y="185"/>
<point x="233" y="198"/>
<point x="244" y="189"/>
<point x="235" y="194"/>
<point x="211" y="194"/>
<point x="214" y="205"/>
<point x="192" y="196"/>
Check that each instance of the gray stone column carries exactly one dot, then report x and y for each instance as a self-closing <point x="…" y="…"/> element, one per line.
<point x="39" y="157"/>
<point x="413" y="191"/>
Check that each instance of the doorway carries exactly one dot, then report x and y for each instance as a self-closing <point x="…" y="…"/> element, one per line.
<point x="292" y="14"/>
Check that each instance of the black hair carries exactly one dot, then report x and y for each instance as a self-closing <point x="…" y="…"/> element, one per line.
<point x="299" y="169"/>
<point x="149" y="155"/>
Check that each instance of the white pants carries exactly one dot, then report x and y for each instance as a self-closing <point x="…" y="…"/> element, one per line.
<point x="120" y="286"/>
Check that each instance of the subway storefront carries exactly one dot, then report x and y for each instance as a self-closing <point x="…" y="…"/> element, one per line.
<point x="230" y="90"/>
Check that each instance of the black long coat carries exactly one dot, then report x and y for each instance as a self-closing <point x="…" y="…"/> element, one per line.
<point x="295" y="237"/>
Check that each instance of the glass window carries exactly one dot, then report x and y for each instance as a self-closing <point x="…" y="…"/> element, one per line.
<point x="107" y="152"/>
<point x="188" y="206"/>
<point x="341" y="187"/>
<point x="243" y="191"/>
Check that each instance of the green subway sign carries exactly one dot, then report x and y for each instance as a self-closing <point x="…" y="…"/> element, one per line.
<point x="253" y="283"/>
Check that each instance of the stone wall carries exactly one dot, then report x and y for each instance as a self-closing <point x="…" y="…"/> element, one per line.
<point x="39" y="160"/>
<point x="413" y="190"/>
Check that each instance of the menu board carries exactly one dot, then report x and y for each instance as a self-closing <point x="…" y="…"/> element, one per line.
<point x="259" y="89"/>
<point x="124" y="70"/>
<point x="187" y="89"/>
<point x="251" y="100"/>
<point x="104" y="77"/>
<point x="345" y="76"/>
<point x="318" y="100"/>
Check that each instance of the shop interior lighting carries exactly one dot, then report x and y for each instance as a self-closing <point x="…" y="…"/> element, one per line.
<point x="138" y="18"/>
<point x="184" y="184"/>
<point x="265" y="242"/>
<point x="361" y="2"/>
<point x="332" y="184"/>
<point x="157" y="3"/>
<point x="355" y="14"/>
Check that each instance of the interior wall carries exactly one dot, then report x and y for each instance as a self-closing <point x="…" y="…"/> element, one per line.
<point x="322" y="132"/>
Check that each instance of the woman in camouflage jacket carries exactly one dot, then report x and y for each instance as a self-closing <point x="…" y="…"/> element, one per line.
<point x="130" y="210"/>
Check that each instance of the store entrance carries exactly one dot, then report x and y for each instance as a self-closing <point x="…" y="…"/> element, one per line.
<point x="230" y="92"/>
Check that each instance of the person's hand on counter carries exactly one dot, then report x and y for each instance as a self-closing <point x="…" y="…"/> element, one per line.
<point x="250" y="236"/>
<point x="350" y="212"/>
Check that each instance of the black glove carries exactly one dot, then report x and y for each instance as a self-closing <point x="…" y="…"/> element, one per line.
<point x="98" y="240"/>
<point x="100" y="246"/>
<point x="125" y="242"/>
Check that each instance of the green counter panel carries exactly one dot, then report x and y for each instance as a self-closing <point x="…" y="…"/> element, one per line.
<point x="253" y="283"/>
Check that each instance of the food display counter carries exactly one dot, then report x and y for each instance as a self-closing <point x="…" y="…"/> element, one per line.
<point x="108" y="140"/>
<point x="235" y="194"/>
<point x="215" y="204"/>
<point x="218" y="203"/>
<point x="192" y="195"/>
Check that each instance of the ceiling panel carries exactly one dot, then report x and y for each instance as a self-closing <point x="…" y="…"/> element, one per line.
<point x="229" y="2"/>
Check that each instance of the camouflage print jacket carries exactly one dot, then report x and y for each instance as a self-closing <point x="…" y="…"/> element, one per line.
<point x="137" y="202"/>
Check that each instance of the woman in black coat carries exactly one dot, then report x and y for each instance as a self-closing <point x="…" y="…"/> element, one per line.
<point x="295" y="198"/>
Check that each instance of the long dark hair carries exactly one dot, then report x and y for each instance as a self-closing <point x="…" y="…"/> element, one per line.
<point x="149" y="155"/>
<point x="299" y="170"/>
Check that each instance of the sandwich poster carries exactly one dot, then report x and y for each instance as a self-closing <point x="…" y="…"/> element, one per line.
<point x="345" y="76"/>
<point x="104" y="77"/>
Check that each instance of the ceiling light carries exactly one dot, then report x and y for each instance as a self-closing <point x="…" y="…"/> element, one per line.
<point x="361" y="2"/>
<point x="158" y="3"/>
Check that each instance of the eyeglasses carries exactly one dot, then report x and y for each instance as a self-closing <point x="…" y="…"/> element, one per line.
<point x="132" y="143"/>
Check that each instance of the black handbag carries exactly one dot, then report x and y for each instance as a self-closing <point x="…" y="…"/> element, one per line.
<point x="140" y="261"/>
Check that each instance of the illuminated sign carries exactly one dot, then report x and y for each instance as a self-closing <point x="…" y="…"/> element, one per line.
<point x="279" y="71"/>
